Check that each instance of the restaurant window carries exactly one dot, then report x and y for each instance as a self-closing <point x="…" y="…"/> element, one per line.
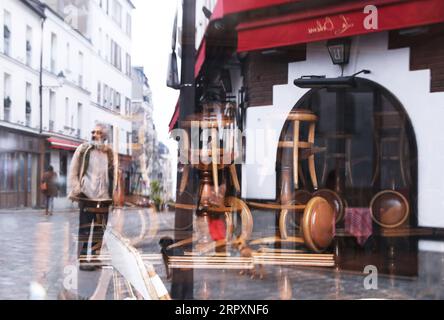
<point x="365" y="149"/>
<point x="7" y="33"/>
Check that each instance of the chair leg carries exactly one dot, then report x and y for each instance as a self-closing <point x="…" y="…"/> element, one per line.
<point x="234" y="177"/>
<point x="296" y="153"/>
<point x="214" y="159"/>
<point x="311" y="159"/>
<point x="184" y="179"/>
<point x="348" y="162"/>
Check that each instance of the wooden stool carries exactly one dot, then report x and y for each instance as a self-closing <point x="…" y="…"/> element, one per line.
<point x="390" y="132"/>
<point x="209" y="159"/>
<point x="390" y="209"/>
<point x="317" y="224"/>
<point x="212" y="122"/>
<point x="298" y="117"/>
<point x="343" y="156"/>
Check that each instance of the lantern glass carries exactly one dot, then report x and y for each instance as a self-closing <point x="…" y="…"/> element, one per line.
<point x="339" y="51"/>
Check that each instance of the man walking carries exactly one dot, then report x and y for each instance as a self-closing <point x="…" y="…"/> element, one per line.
<point x="91" y="178"/>
<point x="49" y="189"/>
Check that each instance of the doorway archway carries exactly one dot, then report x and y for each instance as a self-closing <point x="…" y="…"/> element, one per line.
<point x="366" y="142"/>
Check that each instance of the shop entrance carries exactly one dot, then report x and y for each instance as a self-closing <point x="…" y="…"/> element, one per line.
<point x="365" y="160"/>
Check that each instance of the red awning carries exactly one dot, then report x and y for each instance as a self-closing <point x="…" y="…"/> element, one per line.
<point x="336" y="21"/>
<point x="226" y="7"/>
<point x="175" y="117"/>
<point x="200" y="60"/>
<point x="63" y="144"/>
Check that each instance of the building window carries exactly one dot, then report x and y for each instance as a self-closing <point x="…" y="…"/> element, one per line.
<point x="128" y="25"/>
<point x="128" y="65"/>
<point x="53" y="53"/>
<point x="107" y="48"/>
<point x="99" y="93"/>
<point x="28" y="108"/>
<point x="100" y="42"/>
<point x="127" y="106"/>
<point x="7" y="33"/>
<point x="79" y="120"/>
<point x="128" y="143"/>
<point x="80" y="69"/>
<point x="28" y="46"/>
<point x="66" y="113"/>
<point x="117" y="101"/>
<point x="111" y="98"/>
<point x="52" y="110"/>
<point x="7" y="103"/>
<point x="116" y="55"/>
<point x="68" y="58"/>
<point x="117" y="12"/>
<point x="107" y="6"/>
<point x="105" y="96"/>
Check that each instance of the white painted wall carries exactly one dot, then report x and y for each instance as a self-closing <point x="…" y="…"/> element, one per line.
<point x="94" y="68"/>
<point x="390" y="68"/>
<point x="15" y="63"/>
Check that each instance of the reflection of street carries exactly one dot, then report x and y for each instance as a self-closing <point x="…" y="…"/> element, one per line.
<point x="40" y="249"/>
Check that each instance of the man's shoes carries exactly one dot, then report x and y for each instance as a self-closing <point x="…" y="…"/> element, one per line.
<point x="86" y="267"/>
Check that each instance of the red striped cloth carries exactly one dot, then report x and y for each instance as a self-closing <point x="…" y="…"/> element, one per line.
<point x="358" y="222"/>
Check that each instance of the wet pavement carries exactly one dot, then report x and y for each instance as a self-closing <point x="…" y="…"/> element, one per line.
<point x="42" y="249"/>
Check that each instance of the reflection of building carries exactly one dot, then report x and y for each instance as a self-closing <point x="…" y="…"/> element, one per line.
<point x="20" y="148"/>
<point x="151" y="158"/>
<point x="257" y="49"/>
<point x="162" y="171"/>
<point x="86" y="78"/>
<point x="144" y="133"/>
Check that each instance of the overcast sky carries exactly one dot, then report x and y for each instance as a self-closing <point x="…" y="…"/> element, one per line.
<point x="152" y="31"/>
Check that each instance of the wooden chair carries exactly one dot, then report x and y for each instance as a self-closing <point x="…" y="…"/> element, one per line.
<point x="389" y="135"/>
<point x="302" y="149"/>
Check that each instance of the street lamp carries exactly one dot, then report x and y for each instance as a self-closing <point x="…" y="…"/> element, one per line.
<point x="60" y="80"/>
<point x="339" y="50"/>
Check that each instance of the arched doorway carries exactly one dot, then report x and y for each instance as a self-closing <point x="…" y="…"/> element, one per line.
<point x="365" y="144"/>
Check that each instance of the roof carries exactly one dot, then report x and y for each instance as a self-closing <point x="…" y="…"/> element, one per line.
<point x="35" y="6"/>
<point x="131" y="4"/>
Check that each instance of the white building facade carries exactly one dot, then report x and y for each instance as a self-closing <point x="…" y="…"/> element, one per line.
<point x="86" y="79"/>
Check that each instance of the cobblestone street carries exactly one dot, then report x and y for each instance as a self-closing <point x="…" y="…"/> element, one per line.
<point x="38" y="248"/>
